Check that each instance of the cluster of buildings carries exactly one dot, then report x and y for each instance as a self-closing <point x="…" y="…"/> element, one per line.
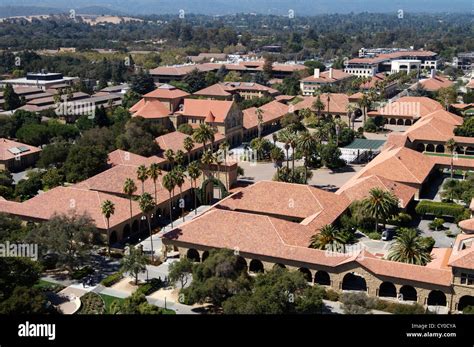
<point x="52" y="91"/>
<point x="270" y="224"/>
<point x="393" y="62"/>
<point x="166" y="74"/>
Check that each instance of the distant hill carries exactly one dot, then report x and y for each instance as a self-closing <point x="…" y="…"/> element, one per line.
<point x="215" y="7"/>
<point x="12" y="11"/>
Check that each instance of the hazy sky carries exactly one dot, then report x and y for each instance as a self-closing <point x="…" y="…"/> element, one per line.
<point x="301" y="7"/>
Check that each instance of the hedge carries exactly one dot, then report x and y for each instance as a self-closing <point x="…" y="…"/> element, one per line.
<point x="112" y="279"/>
<point x="438" y="209"/>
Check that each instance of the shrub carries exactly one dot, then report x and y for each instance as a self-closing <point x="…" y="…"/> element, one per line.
<point x="152" y="286"/>
<point x="91" y="303"/>
<point x="398" y="308"/>
<point x="81" y="273"/>
<point x="112" y="279"/>
<point x="357" y="303"/>
<point x="370" y="126"/>
<point x="374" y="235"/>
<point x="331" y="295"/>
<point x="437" y="224"/>
<point x="401" y="220"/>
<point x="468" y="310"/>
<point x="439" y="209"/>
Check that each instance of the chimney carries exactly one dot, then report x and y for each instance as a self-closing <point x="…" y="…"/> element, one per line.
<point x="330" y="73"/>
<point x="433" y="73"/>
<point x="316" y="73"/>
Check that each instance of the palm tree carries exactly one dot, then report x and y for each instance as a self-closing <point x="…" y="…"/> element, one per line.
<point x="328" y="236"/>
<point x="108" y="209"/>
<point x="285" y="137"/>
<point x="169" y="184"/>
<point x="194" y="173"/>
<point x="203" y="134"/>
<point x="409" y="248"/>
<point x="154" y="172"/>
<point x="224" y="147"/>
<point x="318" y="105"/>
<point x="207" y="159"/>
<point x="169" y="155"/>
<point x="188" y="145"/>
<point x="147" y="206"/>
<point x="380" y="205"/>
<point x="364" y="103"/>
<point x="142" y="175"/>
<point x="259" y="114"/>
<point x="277" y="156"/>
<point x="350" y="114"/>
<point x="451" y="146"/>
<point x="129" y="188"/>
<point x="179" y="178"/>
<point x="179" y="157"/>
<point x="274" y="138"/>
<point x="307" y="144"/>
<point x="217" y="159"/>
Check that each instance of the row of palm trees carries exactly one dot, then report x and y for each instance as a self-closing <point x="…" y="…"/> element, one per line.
<point x="147" y="203"/>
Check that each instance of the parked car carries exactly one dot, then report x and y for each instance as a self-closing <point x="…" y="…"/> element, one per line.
<point x="386" y="235"/>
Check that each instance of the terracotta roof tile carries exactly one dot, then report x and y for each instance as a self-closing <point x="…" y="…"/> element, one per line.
<point x="201" y="108"/>
<point x="359" y="189"/>
<point x="8" y="148"/>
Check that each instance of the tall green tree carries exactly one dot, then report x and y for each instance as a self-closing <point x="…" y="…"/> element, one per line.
<point x="147" y="206"/>
<point x="11" y="99"/>
<point x="409" y="248"/>
<point x="154" y="172"/>
<point x="129" y="188"/>
<point x="108" y="209"/>
<point x="142" y="175"/>
<point x="380" y="205"/>
<point x="194" y="173"/>
<point x="134" y="262"/>
<point x="169" y="183"/>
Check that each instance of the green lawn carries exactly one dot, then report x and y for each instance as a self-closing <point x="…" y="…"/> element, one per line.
<point x="42" y="284"/>
<point x="449" y="155"/>
<point x="108" y="300"/>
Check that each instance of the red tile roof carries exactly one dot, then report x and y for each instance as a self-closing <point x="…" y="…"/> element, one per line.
<point x="8" y="148"/>
<point x="227" y="88"/>
<point x="314" y="207"/>
<point x="359" y="188"/>
<point x="400" y="165"/>
<point x="408" y="107"/>
<point x="66" y="200"/>
<point x="200" y="108"/>
<point x="434" y="84"/>
<point x="175" y="141"/>
<point x="337" y="102"/>
<point x="267" y="236"/>
<point x="120" y="157"/>
<point x="337" y="75"/>
<point x="166" y="91"/>
<point x="271" y="112"/>
<point x="150" y="109"/>
<point x="462" y="255"/>
<point x="112" y="180"/>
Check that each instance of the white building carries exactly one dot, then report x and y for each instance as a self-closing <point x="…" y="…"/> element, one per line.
<point x="42" y="80"/>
